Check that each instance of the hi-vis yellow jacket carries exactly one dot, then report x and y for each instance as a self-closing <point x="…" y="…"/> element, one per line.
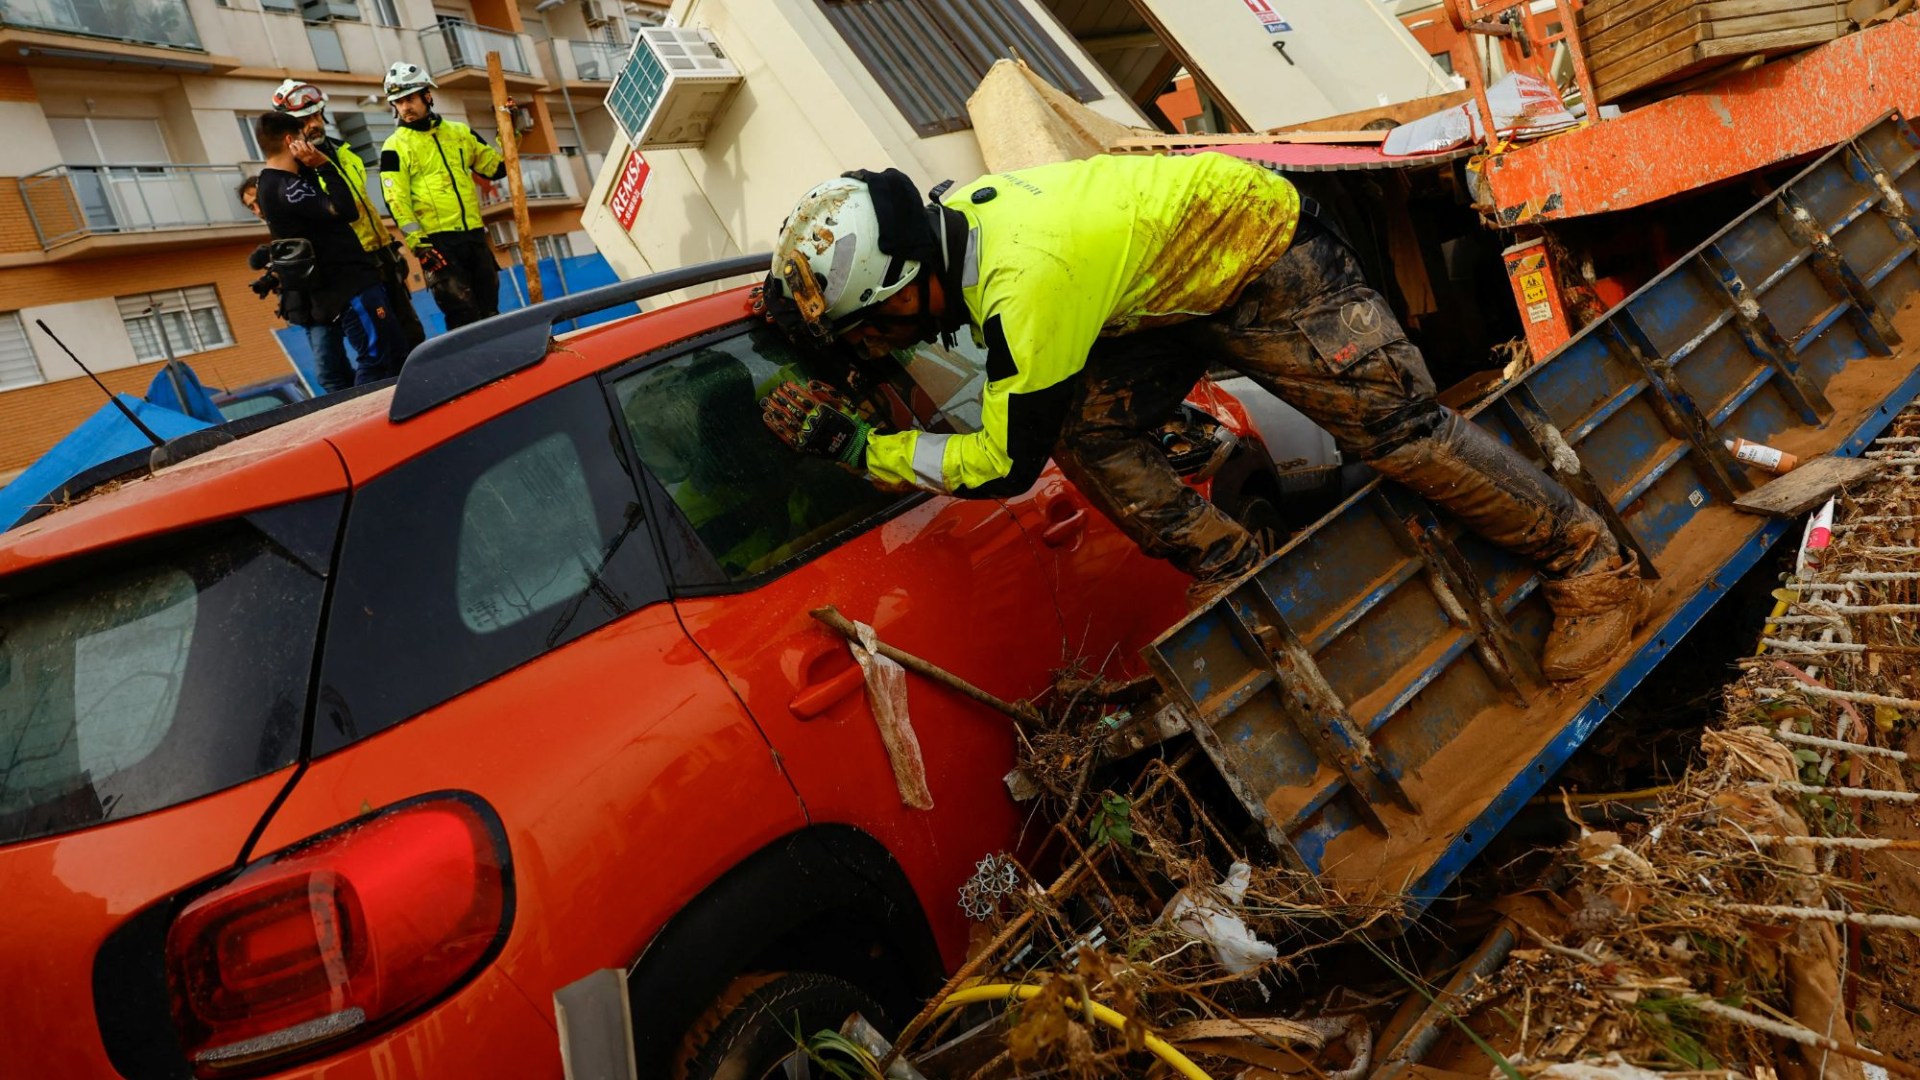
<point x="370" y="227"/>
<point x="428" y="178"/>
<point x="1061" y="255"/>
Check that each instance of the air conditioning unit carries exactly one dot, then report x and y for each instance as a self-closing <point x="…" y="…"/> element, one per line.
<point x="675" y="87"/>
<point x="599" y="12"/>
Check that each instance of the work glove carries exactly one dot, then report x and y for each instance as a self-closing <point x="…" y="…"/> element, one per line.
<point x="431" y="261"/>
<point x="813" y="418"/>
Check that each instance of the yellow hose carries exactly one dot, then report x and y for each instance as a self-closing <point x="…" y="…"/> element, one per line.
<point x="1161" y="1048"/>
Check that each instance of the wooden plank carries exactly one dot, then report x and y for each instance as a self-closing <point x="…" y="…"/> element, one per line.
<point x="1596" y="30"/>
<point x="1399" y="113"/>
<point x="1697" y="23"/>
<point x="1625" y="80"/>
<point x="1806" y="487"/>
<point x="1717" y="11"/>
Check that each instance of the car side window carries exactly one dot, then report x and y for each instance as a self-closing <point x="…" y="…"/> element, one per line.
<point x="478" y="556"/>
<point x="751" y="503"/>
<point x="528" y="536"/>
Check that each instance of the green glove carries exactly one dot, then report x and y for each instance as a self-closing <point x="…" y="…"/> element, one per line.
<point x="814" y="419"/>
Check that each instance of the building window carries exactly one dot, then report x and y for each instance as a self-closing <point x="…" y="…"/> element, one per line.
<point x="176" y="322"/>
<point x="930" y="55"/>
<point x="385" y="13"/>
<point x="17" y="364"/>
<point x="247" y="141"/>
<point x="552" y="247"/>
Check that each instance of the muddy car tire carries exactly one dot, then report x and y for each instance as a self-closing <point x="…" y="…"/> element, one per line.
<point x="1260" y="515"/>
<point x="748" y="1033"/>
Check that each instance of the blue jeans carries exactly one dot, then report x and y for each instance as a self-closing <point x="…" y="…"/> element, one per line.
<point x="329" y="347"/>
<point x="374" y="331"/>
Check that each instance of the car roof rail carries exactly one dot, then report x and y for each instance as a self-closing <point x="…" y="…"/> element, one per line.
<point x="478" y="353"/>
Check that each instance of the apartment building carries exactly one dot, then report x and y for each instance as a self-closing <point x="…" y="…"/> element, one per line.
<point x="126" y="126"/>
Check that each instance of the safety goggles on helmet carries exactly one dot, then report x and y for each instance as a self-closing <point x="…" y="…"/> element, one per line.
<point x="299" y="99"/>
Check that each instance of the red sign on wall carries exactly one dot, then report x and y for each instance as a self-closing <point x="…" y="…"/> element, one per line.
<point x="625" y="200"/>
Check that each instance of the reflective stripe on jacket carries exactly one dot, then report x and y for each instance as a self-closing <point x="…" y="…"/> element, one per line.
<point x="1061" y="255"/>
<point x="428" y="178"/>
<point x="370" y="227"/>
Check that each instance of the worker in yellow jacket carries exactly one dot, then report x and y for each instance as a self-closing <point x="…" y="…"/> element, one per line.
<point x="1101" y="290"/>
<point x="309" y="103"/>
<point x="427" y="168"/>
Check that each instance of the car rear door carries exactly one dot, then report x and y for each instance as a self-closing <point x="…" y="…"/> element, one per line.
<point x="767" y="536"/>
<point x="152" y="697"/>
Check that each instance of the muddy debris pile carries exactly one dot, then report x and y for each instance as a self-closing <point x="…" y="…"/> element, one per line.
<point x="1761" y="922"/>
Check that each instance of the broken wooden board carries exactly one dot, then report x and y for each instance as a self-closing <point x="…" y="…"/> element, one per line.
<point x="1631" y="45"/>
<point x="1806" y="487"/>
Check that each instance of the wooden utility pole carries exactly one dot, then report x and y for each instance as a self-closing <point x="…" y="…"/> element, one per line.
<point x="510" y="149"/>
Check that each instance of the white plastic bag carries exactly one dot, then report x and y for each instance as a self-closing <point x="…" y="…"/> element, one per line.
<point x="887" y="697"/>
<point x="1206" y="914"/>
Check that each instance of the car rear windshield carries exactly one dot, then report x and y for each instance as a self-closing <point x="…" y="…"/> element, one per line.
<point x="159" y="672"/>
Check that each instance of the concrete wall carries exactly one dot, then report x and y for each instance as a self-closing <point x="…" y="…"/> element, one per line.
<point x="808" y="110"/>
<point x="1346" y="55"/>
<point x="91" y="328"/>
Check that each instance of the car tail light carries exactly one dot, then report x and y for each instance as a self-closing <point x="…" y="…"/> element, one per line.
<point x="339" y="936"/>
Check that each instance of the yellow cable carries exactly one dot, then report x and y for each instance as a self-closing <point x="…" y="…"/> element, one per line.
<point x="1161" y="1048"/>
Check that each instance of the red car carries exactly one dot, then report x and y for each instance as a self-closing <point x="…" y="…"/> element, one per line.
<point x="337" y="748"/>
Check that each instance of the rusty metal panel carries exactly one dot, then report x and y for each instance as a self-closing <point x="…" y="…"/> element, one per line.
<point x="1371" y="690"/>
<point x="1789" y="107"/>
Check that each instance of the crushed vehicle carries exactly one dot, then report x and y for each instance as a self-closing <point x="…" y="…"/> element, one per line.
<point x="340" y="738"/>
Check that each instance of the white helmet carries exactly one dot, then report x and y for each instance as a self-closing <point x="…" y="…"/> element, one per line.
<point x="404" y="80"/>
<point x="828" y="257"/>
<point x="298" y="98"/>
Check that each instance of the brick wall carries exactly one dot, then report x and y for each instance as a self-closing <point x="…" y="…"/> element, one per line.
<point x="33" y="418"/>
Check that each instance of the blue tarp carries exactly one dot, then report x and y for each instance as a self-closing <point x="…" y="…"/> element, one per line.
<point x="165" y="392"/>
<point x="104" y="436"/>
<point x="570" y="275"/>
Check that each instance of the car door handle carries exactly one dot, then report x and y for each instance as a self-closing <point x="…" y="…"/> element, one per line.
<point x="817" y="698"/>
<point x="1066" y="531"/>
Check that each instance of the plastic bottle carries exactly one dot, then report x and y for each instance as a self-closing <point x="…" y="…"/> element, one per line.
<point x="1762" y="456"/>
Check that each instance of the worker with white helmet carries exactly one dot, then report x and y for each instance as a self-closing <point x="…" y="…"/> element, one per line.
<point x="427" y="168"/>
<point x="308" y="102"/>
<point x="1102" y="289"/>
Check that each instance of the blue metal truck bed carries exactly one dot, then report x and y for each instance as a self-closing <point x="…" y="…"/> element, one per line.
<point x="1372" y="693"/>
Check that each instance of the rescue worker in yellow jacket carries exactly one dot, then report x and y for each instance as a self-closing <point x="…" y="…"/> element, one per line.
<point x="309" y="103"/>
<point x="1102" y="289"/>
<point x="427" y="168"/>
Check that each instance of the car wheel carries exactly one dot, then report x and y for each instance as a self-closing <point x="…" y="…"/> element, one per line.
<point x="1260" y="515"/>
<point x="749" y="1033"/>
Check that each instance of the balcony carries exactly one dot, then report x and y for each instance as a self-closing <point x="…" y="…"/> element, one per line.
<point x="456" y="54"/>
<point x="547" y="178"/>
<point x="149" y="205"/>
<point x="94" y="33"/>
<point x="593" y="63"/>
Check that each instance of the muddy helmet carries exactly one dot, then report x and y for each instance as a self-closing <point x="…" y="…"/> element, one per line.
<point x="404" y="80"/>
<point x="828" y="259"/>
<point x="296" y="98"/>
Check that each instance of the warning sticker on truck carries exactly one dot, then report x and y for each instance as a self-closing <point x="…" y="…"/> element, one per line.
<point x="1269" y="18"/>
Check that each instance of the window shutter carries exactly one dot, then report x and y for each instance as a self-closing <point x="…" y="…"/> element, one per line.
<point x="17" y="364"/>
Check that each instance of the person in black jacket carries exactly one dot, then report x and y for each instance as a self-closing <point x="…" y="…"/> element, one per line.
<point x="302" y="195"/>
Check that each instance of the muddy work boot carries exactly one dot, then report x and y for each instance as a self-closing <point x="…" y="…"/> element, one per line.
<point x="1594" y="616"/>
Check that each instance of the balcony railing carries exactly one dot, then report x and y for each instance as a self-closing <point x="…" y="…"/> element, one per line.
<point x="67" y="202"/>
<point x="138" y="22"/>
<point x="594" y="61"/>
<point x="452" y="45"/>
<point x="544" y="176"/>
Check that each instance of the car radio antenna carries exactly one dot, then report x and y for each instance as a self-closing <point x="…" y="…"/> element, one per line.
<point x="111" y="396"/>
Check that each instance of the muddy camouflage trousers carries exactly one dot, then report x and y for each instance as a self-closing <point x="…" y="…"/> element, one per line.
<point x="1317" y="336"/>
